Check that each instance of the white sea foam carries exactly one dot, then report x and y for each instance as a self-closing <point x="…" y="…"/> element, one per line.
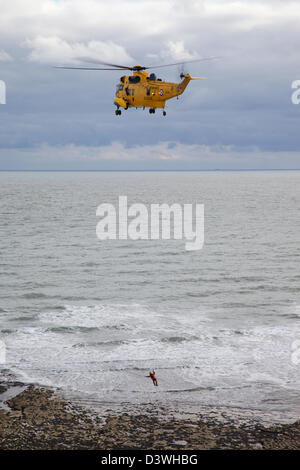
<point x="106" y="350"/>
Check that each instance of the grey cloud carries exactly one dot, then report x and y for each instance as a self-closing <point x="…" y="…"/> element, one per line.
<point x="244" y="104"/>
<point x="4" y="56"/>
<point x="164" y="155"/>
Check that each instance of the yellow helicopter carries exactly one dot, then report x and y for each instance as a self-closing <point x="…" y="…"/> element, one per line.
<point x="141" y="89"/>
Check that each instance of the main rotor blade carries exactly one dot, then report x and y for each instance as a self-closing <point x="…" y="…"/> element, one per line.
<point x="125" y="67"/>
<point x="182" y="62"/>
<point x="95" y="61"/>
<point x="82" y="68"/>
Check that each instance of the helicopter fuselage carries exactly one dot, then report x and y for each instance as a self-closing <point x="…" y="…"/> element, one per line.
<point x="142" y="89"/>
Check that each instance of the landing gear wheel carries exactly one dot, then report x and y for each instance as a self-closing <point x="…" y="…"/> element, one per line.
<point x="152" y="110"/>
<point x="118" y="112"/>
<point x="164" y="113"/>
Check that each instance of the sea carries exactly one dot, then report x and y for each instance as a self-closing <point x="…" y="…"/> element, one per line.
<point x="91" y="318"/>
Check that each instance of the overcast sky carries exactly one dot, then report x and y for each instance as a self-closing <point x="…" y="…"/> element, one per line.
<point x="242" y="116"/>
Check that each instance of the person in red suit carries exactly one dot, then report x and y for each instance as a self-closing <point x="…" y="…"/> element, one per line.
<point x="152" y="376"/>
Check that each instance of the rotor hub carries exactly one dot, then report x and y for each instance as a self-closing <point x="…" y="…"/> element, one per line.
<point x="138" y="68"/>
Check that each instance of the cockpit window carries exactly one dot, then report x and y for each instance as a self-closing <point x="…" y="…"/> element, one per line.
<point x="120" y="87"/>
<point x="152" y="76"/>
<point x="134" y="79"/>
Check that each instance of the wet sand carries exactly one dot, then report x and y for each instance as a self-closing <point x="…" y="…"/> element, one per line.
<point x="33" y="417"/>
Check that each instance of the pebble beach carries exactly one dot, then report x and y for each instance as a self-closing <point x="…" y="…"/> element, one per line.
<point x="37" y="418"/>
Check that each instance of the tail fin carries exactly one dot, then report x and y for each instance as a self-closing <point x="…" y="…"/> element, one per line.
<point x="186" y="80"/>
<point x="187" y="75"/>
